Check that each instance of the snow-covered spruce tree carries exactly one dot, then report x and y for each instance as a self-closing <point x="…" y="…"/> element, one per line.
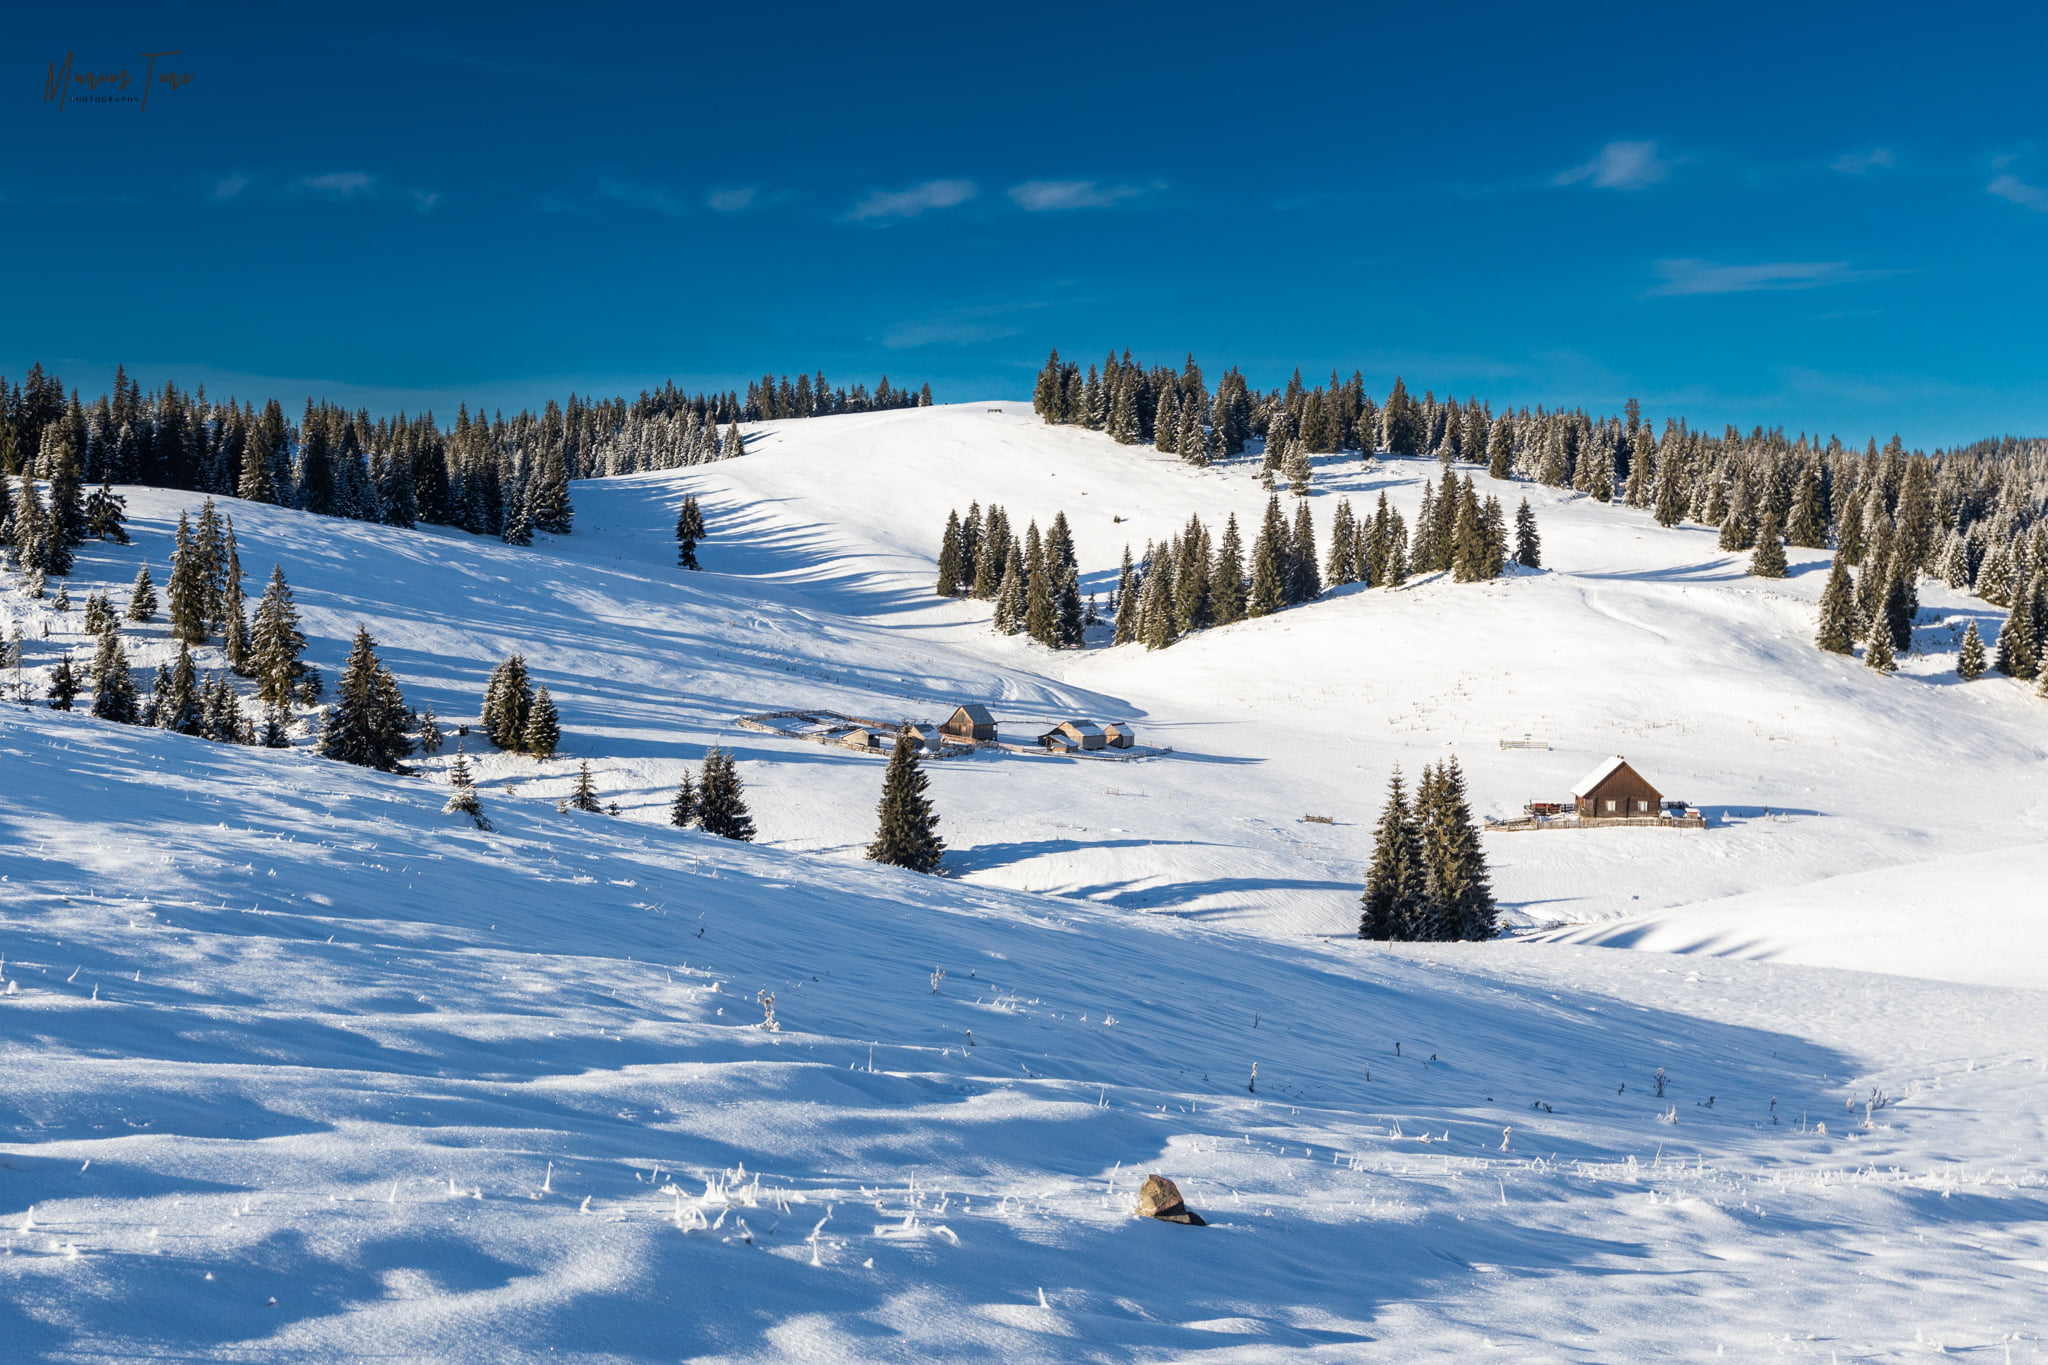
<point x="106" y="514"/>
<point x="99" y="613"/>
<point x="1970" y="661"/>
<point x="1392" y="882"/>
<point x="1226" y="576"/>
<point x="683" y="810"/>
<point x="1837" y="633"/>
<point x="689" y="532"/>
<point x="232" y="616"/>
<point x="1155" y="606"/>
<point x="113" y="689"/>
<point x="462" y="801"/>
<point x="142" y="597"/>
<point x="1296" y="466"/>
<point x="1454" y="875"/>
<point x="1070" y="631"/>
<point x="220" y="713"/>
<point x="1041" y="608"/>
<point x="1124" y="426"/>
<point x="368" y="724"/>
<point x="1341" y="566"/>
<point x="735" y="444"/>
<point x="64" y="684"/>
<point x="63" y="602"/>
<point x="1528" y="543"/>
<point x="275" y="643"/>
<point x="67" y="499"/>
<point x="174" y="702"/>
<point x="189" y="587"/>
<point x="549" y="507"/>
<point x="1901" y="603"/>
<point x="1768" y="559"/>
<point x="508" y="700"/>
<point x="1270" y="554"/>
<point x="1877" y="655"/>
<point x="721" y="807"/>
<point x="949" y="557"/>
<point x="2015" y="652"/>
<point x="276" y="732"/>
<point x="543" y="729"/>
<point x="1010" y="601"/>
<point x="1304" y="579"/>
<point x="908" y="831"/>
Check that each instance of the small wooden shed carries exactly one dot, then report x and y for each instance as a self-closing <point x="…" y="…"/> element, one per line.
<point x="1119" y="734"/>
<point x="876" y="737"/>
<point x="969" y="722"/>
<point x="1615" y="791"/>
<point x="1074" y="734"/>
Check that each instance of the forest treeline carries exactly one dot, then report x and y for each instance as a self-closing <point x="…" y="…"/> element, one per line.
<point x="1974" y="516"/>
<point x="489" y="475"/>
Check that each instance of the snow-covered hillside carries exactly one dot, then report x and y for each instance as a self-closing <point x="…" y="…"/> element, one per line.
<point x="1635" y="640"/>
<point x="293" y="1066"/>
<point x="278" y="1029"/>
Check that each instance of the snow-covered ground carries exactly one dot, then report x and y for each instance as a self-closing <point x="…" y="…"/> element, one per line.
<point x="279" y="1029"/>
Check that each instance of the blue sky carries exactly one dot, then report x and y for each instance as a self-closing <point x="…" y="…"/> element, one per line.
<point x="1833" y="219"/>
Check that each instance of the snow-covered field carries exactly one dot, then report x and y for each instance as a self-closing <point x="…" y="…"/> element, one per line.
<point x="277" y="1029"/>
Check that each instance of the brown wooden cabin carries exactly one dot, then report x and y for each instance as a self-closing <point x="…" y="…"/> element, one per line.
<point x="1074" y="734"/>
<point x="1119" y="734"/>
<point x="969" y="722"/>
<point x="878" y="738"/>
<point x="1615" y="791"/>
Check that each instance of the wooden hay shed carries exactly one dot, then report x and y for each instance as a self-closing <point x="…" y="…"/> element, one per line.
<point x="969" y="722"/>
<point x="1119" y="734"/>
<point x="1615" y="791"/>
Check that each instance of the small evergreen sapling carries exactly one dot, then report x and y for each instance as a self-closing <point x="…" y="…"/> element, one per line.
<point x="1877" y="655"/>
<point x="908" y="831"/>
<point x="142" y="597"/>
<point x="1768" y="559"/>
<point x="64" y="684"/>
<point x="113" y="689"/>
<point x="1837" y="634"/>
<point x="463" y="800"/>
<point x="584" y="795"/>
<point x="690" y="529"/>
<point x="430" y="736"/>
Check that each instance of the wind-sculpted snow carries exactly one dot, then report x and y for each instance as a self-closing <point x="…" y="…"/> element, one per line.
<point x="294" y="1066"/>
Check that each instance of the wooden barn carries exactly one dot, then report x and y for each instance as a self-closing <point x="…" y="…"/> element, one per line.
<point x="969" y="722"/>
<point x="1119" y="734"/>
<point x="1615" y="791"/>
<point x="1074" y="734"/>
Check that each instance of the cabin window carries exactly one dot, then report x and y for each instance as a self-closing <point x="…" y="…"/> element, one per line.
<point x="1610" y="805"/>
<point x="1642" y="805"/>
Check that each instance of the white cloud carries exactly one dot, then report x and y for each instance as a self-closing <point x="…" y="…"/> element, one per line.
<point x="1859" y="163"/>
<point x="731" y="201"/>
<point x="932" y="194"/>
<point x="1040" y="196"/>
<point x="2020" y="192"/>
<point x="1709" y="277"/>
<point x="341" y="184"/>
<point x="230" y="186"/>
<point x="1619" y="166"/>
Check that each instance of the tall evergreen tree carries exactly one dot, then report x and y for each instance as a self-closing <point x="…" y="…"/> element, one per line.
<point x="1226" y="576"/>
<point x="721" y="807"/>
<point x="189" y="588"/>
<point x="1768" y="560"/>
<point x="1528" y="544"/>
<point x="64" y="683"/>
<point x="175" y="705"/>
<point x="142" y="597"/>
<point x="1901" y="603"/>
<point x="689" y="531"/>
<point x="508" y="701"/>
<point x="682" y="811"/>
<point x="543" y="729"/>
<point x="1837" y="634"/>
<point x="1271" y="552"/>
<point x="232" y="620"/>
<point x="106" y="514"/>
<point x="1454" y="874"/>
<point x="949" y="557"/>
<point x="1393" y="880"/>
<point x="369" y="724"/>
<point x="1877" y="655"/>
<point x="275" y="643"/>
<point x="908" y="832"/>
<point x="113" y="687"/>
<point x="1304" y="579"/>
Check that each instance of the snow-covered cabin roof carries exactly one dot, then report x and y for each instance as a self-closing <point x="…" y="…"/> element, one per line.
<point x="977" y="713"/>
<point x="1082" y="727"/>
<point x="1598" y="775"/>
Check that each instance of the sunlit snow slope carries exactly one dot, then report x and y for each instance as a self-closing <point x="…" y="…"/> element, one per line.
<point x="1634" y="639"/>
